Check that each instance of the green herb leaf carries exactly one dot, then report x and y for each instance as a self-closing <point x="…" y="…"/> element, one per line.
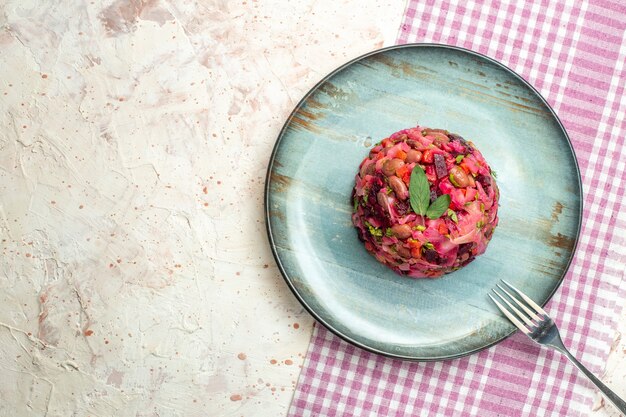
<point x="419" y="228"/>
<point x="388" y="232"/>
<point x="438" y="207"/>
<point x="494" y="174"/>
<point x="419" y="191"/>
<point x="453" y="181"/>
<point x="428" y="245"/>
<point x="374" y="231"/>
<point x="356" y="204"/>
<point x="452" y="215"/>
<point x="459" y="158"/>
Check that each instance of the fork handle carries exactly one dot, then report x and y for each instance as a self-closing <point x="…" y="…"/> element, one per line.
<point x="608" y="393"/>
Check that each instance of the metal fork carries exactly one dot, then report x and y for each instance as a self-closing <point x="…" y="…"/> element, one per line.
<point x="535" y="323"/>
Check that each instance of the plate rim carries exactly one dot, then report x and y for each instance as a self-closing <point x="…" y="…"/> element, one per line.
<point x="270" y="167"/>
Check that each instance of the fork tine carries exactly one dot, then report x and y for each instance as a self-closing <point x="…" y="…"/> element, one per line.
<point x="511" y="317"/>
<point x="519" y="303"/>
<point x="530" y="302"/>
<point x="519" y="314"/>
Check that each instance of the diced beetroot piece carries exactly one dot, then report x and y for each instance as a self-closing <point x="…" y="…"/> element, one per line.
<point x="440" y="166"/>
<point x="403" y="207"/>
<point x="433" y="195"/>
<point x="484" y="180"/>
<point x="431" y="256"/>
<point x="465" y="248"/>
<point x="459" y="145"/>
<point x="458" y="138"/>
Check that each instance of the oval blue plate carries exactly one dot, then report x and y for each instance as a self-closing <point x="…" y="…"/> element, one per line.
<point x="311" y="175"/>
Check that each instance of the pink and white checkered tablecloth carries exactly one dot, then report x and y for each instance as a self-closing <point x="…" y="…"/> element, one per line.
<point x="574" y="53"/>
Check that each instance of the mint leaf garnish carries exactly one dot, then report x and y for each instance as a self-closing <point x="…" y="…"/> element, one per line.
<point x="419" y="191"/>
<point x="438" y="207"/>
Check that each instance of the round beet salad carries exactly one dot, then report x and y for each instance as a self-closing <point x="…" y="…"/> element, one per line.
<point x="425" y="202"/>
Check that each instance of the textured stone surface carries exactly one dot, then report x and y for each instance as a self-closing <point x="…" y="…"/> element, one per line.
<point x="136" y="275"/>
